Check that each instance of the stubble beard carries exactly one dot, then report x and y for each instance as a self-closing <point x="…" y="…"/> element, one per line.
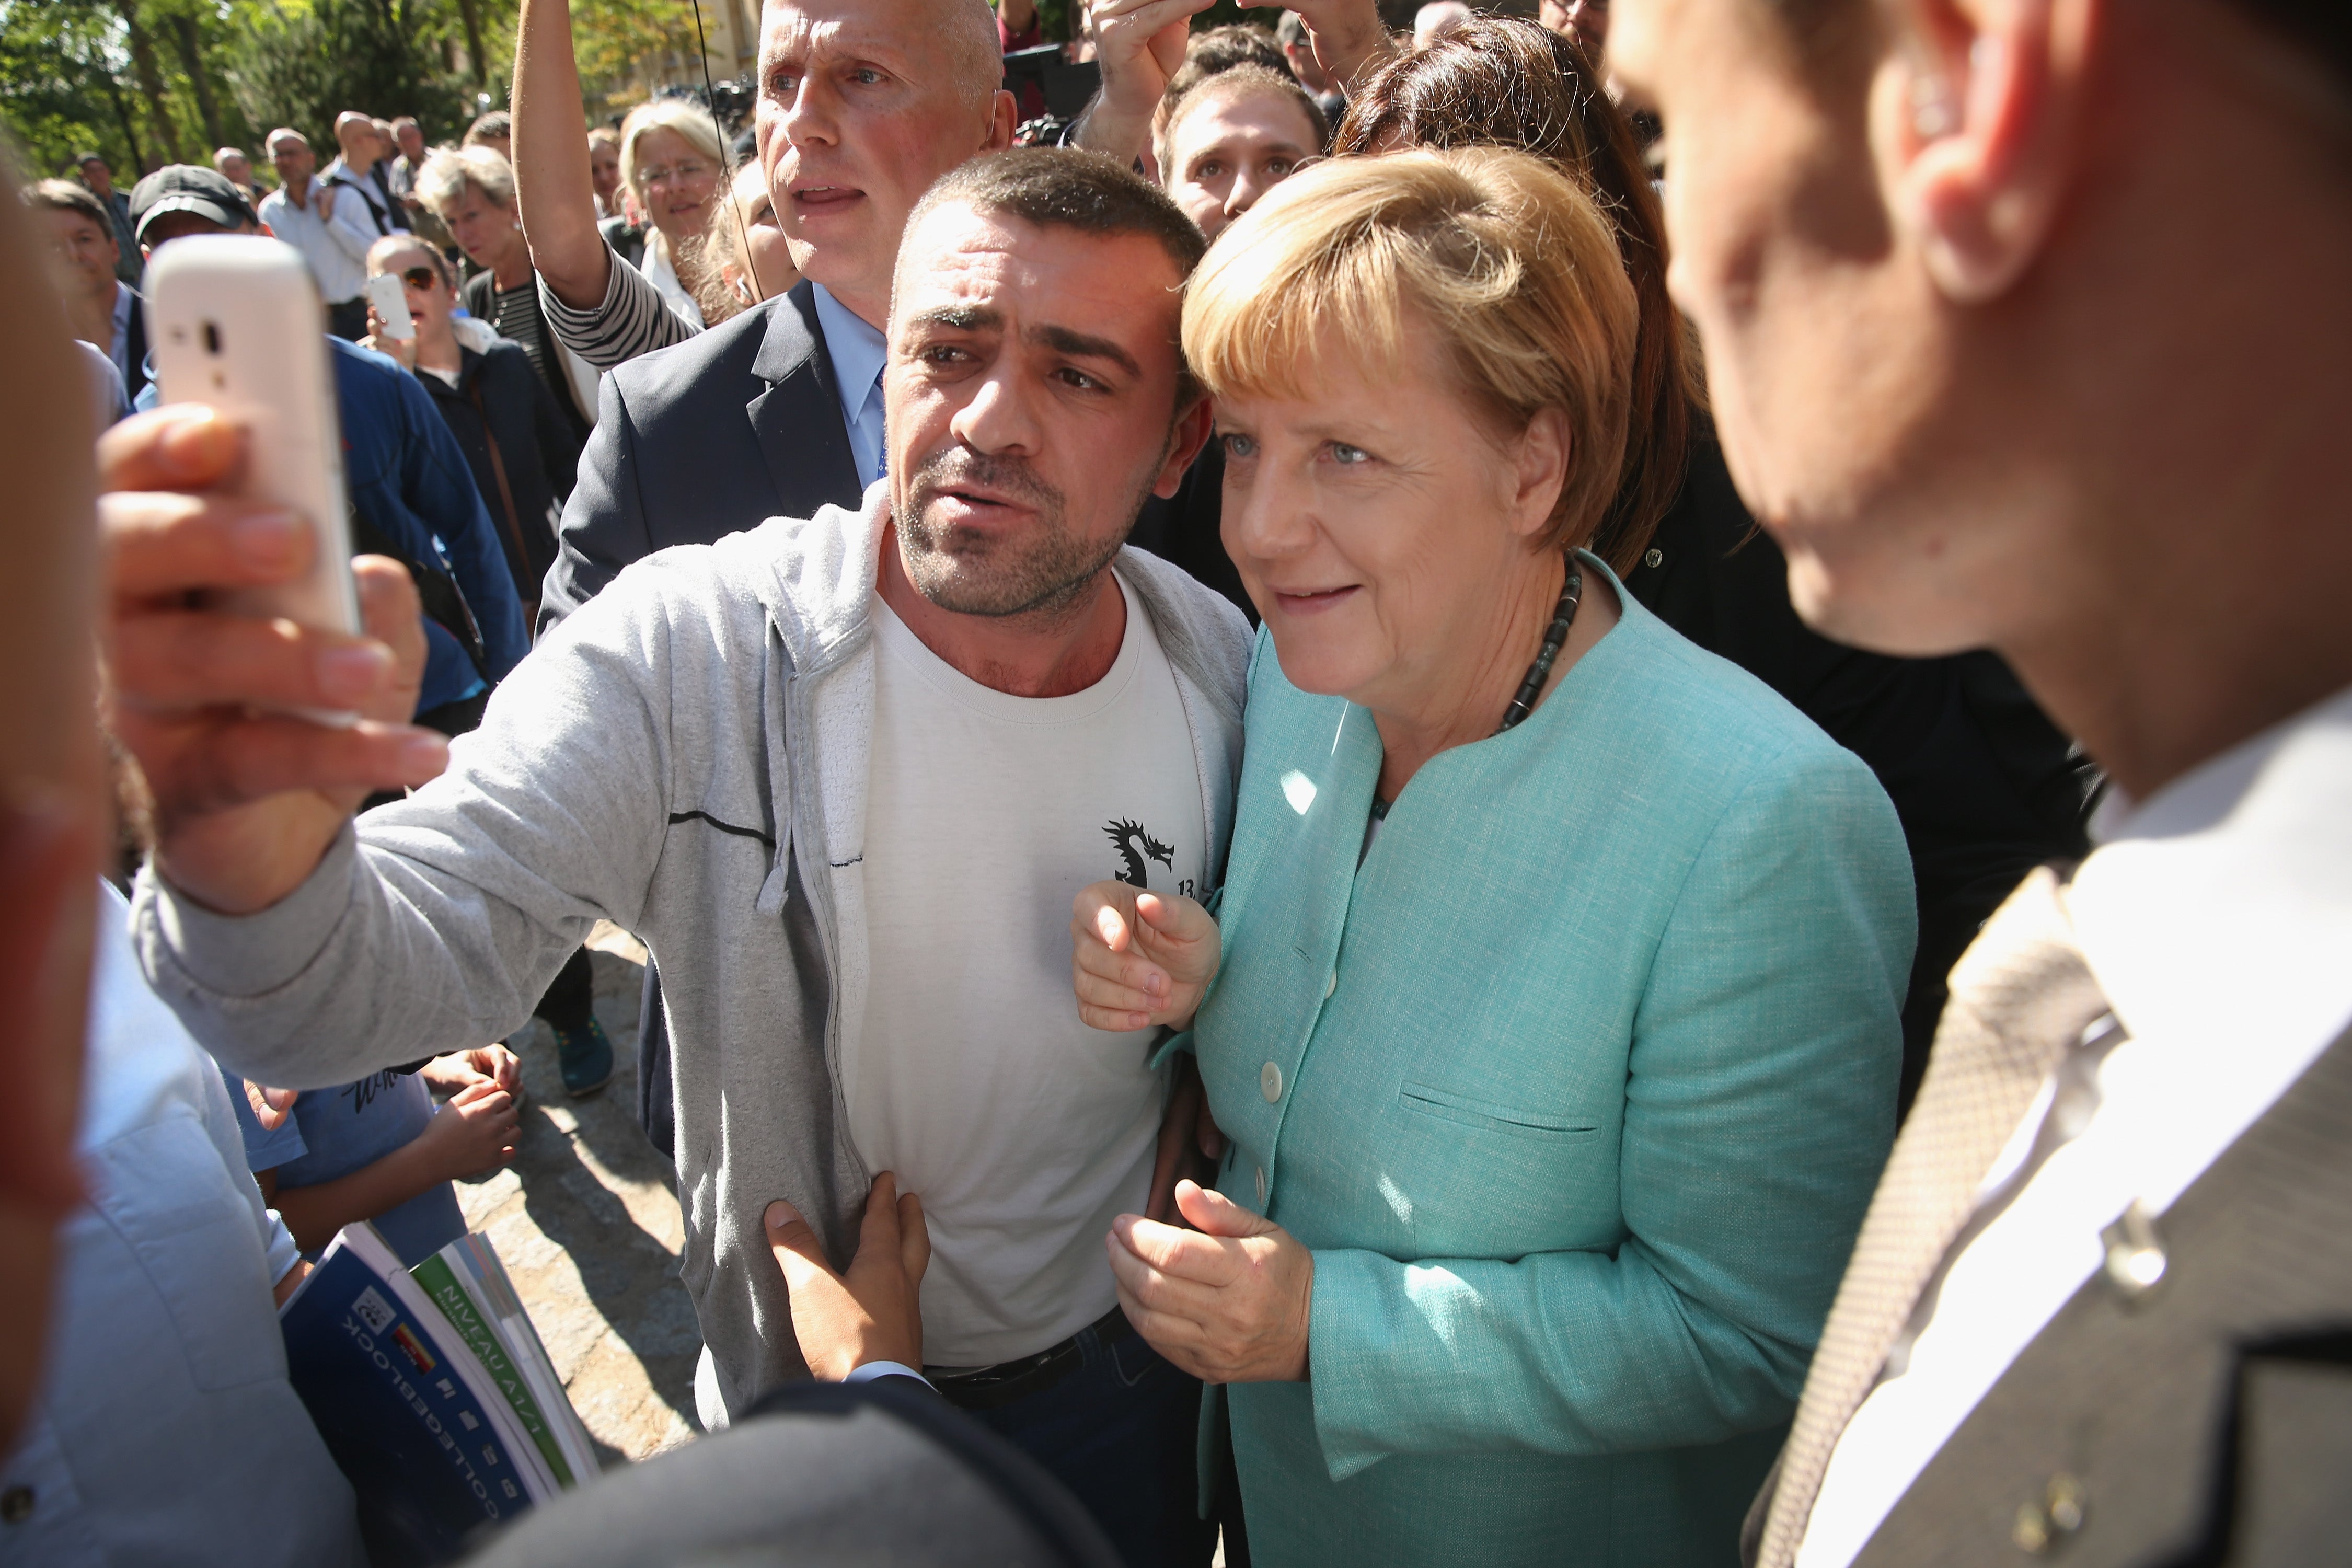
<point x="1046" y="573"/>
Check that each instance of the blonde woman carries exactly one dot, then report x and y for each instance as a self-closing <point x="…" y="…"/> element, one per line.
<point x="742" y="258"/>
<point x="1549" y="1003"/>
<point x="597" y="302"/>
<point x="673" y="164"/>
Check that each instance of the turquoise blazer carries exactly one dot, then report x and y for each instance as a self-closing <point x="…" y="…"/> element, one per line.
<point x="1577" y="1088"/>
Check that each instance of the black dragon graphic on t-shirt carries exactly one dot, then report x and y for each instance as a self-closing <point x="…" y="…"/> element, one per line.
<point x="1135" y="846"/>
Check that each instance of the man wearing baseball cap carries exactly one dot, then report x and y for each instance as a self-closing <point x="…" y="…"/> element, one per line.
<point x="182" y="199"/>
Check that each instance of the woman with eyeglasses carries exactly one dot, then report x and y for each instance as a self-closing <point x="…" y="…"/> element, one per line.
<point x="672" y="163"/>
<point x="606" y="307"/>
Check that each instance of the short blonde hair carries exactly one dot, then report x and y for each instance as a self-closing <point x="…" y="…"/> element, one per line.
<point x="1510" y="266"/>
<point x="441" y="183"/>
<point x="684" y="116"/>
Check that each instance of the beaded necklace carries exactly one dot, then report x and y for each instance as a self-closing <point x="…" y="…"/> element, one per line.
<point x="1563" y="616"/>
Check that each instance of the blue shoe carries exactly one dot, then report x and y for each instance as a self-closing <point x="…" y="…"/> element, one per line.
<point x="585" y="1057"/>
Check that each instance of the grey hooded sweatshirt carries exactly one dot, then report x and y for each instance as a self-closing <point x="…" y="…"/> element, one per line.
<point x="685" y="756"/>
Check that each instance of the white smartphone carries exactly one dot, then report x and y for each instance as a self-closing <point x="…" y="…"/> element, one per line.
<point x="391" y="303"/>
<point x="237" y="324"/>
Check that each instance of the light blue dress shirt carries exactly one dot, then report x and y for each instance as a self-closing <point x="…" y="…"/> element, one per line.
<point x="167" y="1430"/>
<point x="858" y="353"/>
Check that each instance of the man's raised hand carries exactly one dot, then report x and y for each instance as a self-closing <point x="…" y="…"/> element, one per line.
<point x="1137" y="959"/>
<point x="1349" y="37"/>
<point x="1138" y="44"/>
<point x="247" y="797"/>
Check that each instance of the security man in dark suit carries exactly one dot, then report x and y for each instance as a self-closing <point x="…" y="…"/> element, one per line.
<point x="2026" y="330"/>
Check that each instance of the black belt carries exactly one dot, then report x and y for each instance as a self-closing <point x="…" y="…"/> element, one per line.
<point x="989" y="1387"/>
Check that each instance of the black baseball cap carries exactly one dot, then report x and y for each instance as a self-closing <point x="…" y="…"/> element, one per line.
<point x="185" y="188"/>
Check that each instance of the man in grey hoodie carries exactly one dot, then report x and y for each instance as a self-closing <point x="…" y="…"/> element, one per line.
<point x="843" y="775"/>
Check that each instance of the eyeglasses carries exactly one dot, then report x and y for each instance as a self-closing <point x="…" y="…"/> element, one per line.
<point x="423" y="278"/>
<point x="663" y="173"/>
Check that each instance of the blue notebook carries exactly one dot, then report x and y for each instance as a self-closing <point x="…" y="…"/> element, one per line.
<point x="401" y="1404"/>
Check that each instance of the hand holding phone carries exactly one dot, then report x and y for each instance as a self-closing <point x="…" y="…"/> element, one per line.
<point x="237" y="325"/>
<point x="390" y="303"/>
<point x="233" y="612"/>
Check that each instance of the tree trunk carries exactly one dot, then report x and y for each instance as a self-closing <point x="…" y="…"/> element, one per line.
<point x="474" y="43"/>
<point x="191" y="59"/>
<point x="130" y="125"/>
<point x="151" y="81"/>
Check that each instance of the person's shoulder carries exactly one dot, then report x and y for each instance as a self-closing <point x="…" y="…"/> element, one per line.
<point x="1199" y="628"/>
<point x="684" y="371"/>
<point x="503" y="355"/>
<point x="357" y="366"/>
<point x="1705" y="702"/>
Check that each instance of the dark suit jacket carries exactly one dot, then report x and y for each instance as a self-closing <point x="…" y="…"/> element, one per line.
<point x="707" y="438"/>
<point x="2207" y="1422"/>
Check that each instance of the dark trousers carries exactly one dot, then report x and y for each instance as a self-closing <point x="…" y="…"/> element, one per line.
<point x="571" y="996"/>
<point x="1122" y="1432"/>
<point x="347" y="319"/>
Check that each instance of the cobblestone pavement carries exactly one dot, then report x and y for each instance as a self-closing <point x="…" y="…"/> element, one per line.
<point x="587" y="1222"/>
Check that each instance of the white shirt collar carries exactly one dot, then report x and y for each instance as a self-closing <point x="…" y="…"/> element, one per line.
<point x="2218" y="913"/>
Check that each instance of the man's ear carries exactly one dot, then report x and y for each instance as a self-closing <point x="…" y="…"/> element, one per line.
<point x="1982" y="132"/>
<point x="1190" y="435"/>
<point x="1003" y="119"/>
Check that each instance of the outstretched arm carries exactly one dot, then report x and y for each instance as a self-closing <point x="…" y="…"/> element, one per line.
<point x="555" y="194"/>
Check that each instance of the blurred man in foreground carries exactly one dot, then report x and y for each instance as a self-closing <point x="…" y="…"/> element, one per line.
<point x="2104" y="1290"/>
<point x="149" y="1418"/>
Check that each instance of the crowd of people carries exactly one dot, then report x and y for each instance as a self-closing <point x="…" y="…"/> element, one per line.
<point x="1560" y="789"/>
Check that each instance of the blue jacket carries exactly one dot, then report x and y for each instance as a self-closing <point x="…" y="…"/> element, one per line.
<point x="407" y="476"/>
<point x="405" y="473"/>
<point x="1577" y="1087"/>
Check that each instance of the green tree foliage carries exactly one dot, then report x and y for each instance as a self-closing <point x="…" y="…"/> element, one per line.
<point x="303" y="62"/>
<point x="65" y="86"/>
<point x="149" y="82"/>
<point x="611" y="39"/>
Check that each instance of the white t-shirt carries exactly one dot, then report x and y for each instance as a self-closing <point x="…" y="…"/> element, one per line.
<point x="1025" y="1131"/>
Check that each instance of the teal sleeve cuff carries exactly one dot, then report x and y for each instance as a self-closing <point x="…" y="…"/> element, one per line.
<point x="1178" y="1042"/>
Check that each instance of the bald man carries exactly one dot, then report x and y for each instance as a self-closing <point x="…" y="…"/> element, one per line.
<point x="863" y="103"/>
<point x="366" y="148"/>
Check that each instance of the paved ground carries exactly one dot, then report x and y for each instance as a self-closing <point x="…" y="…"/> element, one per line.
<point x="587" y="1222"/>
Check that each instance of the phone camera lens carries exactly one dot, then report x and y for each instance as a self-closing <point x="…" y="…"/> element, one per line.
<point x="212" y="338"/>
